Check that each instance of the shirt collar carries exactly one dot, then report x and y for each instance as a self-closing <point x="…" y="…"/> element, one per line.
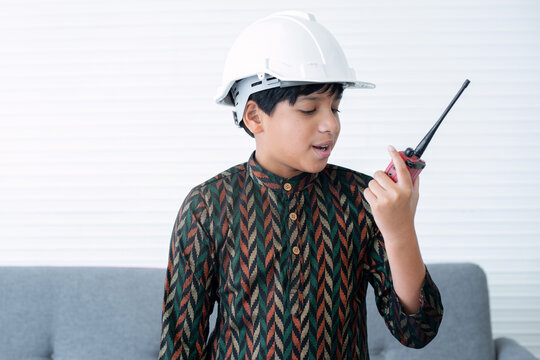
<point x="275" y="182"/>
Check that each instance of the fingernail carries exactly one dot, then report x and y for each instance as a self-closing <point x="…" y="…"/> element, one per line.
<point x="391" y="148"/>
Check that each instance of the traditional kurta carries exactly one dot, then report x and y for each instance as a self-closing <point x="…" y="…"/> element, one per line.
<point x="287" y="261"/>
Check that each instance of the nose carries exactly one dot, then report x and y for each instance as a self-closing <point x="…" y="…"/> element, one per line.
<point x="329" y="122"/>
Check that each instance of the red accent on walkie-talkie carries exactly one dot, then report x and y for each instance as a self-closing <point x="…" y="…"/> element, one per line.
<point x="414" y="165"/>
<point x="412" y="157"/>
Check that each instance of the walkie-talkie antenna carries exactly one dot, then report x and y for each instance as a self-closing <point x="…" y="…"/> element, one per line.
<point x="425" y="141"/>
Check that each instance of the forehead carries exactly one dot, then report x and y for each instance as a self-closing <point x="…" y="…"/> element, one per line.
<point x="320" y="96"/>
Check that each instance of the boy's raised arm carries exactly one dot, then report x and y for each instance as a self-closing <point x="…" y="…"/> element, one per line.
<point x="189" y="287"/>
<point x="406" y="295"/>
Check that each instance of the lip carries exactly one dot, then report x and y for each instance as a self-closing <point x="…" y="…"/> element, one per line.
<point x="326" y="153"/>
<point x="327" y="143"/>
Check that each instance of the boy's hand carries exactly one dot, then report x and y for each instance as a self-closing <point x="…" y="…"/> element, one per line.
<point x="393" y="204"/>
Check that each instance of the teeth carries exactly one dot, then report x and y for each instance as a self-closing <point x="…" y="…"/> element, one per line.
<point x="322" y="147"/>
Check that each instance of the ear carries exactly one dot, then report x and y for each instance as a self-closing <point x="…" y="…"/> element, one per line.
<point x="253" y="117"/>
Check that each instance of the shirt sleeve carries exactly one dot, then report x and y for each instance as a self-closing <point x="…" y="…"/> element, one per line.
<point x="190" y="282"/>
<point x="414" y="330"/>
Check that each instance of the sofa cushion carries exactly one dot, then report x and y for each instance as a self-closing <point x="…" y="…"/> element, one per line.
<point x="465" y="331"/>
<point x="80" y="313"/>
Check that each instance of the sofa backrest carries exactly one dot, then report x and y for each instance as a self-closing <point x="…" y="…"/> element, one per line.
<point x="465" y="331"/>
<point x="115" y="313"/>
<point x="80" y="313"/>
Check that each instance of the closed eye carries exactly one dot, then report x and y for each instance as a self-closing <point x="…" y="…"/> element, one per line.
<point x="309" y="112"/>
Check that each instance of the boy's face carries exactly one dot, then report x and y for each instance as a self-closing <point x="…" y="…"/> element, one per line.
<point x="288" y="141"/>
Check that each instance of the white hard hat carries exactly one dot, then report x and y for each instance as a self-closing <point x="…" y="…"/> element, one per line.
<point x="286" y="48"/>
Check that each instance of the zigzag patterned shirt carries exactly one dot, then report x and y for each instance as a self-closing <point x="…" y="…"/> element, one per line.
<point x="288" y="262"/>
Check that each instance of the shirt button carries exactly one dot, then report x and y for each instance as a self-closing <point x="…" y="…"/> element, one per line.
<point x="292" y="216"/>
<point x="287" y="186"/>
<point x="296" y="250"/>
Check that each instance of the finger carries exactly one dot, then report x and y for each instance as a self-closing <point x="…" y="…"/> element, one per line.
<point x="416" y="192"/>
<point x="376" y="188"/>
<point x="384" y="180"/>
<point x="370" y="197"/>
<point x="416" y="185"/>
<point x="403" y="175"/>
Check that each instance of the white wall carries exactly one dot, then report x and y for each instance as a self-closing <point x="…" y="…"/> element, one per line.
<point x="107" y="121"/>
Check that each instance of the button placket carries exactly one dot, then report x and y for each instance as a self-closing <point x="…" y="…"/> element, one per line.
<point x="298" y="264"/>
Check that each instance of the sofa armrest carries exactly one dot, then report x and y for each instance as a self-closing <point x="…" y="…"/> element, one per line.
<point x="508" y="349"/>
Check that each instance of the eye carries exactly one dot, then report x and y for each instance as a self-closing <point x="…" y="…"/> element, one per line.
<point x="309" y="112"/>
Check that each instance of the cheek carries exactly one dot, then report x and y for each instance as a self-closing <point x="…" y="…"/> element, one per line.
<point x="293" y="130"/>
<point x="303" y="137"/>
<point x="338" y="127"/>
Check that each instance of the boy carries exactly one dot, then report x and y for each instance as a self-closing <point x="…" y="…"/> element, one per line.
<point x="287" y="243"/>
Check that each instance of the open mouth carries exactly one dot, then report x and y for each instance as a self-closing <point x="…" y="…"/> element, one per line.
<point x="323" y="148"/>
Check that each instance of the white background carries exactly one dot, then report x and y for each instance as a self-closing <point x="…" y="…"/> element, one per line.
<point x="107" y="120"/>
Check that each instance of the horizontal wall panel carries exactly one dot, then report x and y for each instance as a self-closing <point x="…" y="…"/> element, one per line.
<point x="107" y="121"/>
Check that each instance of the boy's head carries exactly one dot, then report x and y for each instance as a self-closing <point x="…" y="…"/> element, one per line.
<point x="285" y="75"/>
<point x="295" y="128"/>
<point x="268" y="99"/>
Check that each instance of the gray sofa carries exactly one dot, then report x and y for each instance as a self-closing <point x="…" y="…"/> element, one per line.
<point x="465" y="331"/>
<point x="115" y="313"/>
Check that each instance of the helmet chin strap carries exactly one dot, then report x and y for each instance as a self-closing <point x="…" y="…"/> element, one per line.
<point x="235" y="117"/>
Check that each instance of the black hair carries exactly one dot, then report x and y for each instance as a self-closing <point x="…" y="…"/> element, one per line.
<point x="268" y="99"/>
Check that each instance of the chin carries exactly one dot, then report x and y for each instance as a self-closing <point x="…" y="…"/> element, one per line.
<point x="318" y="167"/>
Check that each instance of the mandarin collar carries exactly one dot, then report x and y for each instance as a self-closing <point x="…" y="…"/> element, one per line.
<point x="275" y="182"/>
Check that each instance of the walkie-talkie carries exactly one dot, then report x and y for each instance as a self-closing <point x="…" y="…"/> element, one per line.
<point x="412" y="157"/>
